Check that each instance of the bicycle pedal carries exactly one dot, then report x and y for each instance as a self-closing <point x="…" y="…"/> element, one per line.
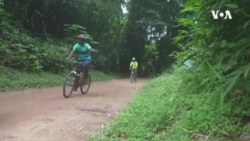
<point x="74" y="73"/>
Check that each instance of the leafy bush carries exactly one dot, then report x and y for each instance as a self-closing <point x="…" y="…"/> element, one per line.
<point x="23" y="52"/>
<point x="220" y="49"/>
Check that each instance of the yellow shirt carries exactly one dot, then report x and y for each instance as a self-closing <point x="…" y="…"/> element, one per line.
<point x="133" y="64"/>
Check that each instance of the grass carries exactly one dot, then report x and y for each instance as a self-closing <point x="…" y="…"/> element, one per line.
<point x="15" y="80"/>
<point x="100" y="76"/>
<point x="168" y="109"/>
<point x="147" y="115"/>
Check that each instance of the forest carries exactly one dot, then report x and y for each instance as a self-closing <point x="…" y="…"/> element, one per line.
<point x="37" y="34"/>
<point x="205" y="42"/>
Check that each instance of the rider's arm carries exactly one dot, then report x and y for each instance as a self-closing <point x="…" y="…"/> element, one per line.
<point x="71" y="53"/>
<point x="94" y="50"/>
<point x="91" y="49"/>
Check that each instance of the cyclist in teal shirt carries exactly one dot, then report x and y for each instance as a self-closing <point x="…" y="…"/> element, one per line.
<point x="82" y="50"/>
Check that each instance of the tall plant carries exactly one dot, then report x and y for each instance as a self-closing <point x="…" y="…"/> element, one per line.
<point x="221" y="51"/>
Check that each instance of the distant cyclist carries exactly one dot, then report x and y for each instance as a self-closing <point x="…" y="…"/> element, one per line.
<point x="133" y="66"/>
<point x="82" y="50"/>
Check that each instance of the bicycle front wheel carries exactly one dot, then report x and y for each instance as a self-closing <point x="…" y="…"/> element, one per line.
<point x="86" y="85"/>
<point x="68" y="86"/>
<point x="132" y="77"/>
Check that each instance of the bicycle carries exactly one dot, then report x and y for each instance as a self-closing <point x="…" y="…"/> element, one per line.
<point x="71" y="83"/>
<point x="133" y="76"/>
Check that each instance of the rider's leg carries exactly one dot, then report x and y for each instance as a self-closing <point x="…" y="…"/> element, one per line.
<point x="84" y="69"/>
<point x="131" y="75"/>
<point x="135" y="74"/>
<point x="84" y="75"/>
<point x="77" y="69"/>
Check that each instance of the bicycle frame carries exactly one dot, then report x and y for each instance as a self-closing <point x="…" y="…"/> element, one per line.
<point x="75" y="80"/>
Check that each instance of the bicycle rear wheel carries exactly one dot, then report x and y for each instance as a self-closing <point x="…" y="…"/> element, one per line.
<point x="134" y="77"/>
<point x="86" y="85"/>
<point x="68" y="86"/>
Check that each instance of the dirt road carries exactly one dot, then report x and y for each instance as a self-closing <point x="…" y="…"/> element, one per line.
<point x="45" y="115"/>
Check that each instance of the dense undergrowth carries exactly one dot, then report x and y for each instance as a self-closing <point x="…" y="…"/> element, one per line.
<point x="15" y="80"/>
<point x="169" y="108"/>
<point x="21" y="51"/>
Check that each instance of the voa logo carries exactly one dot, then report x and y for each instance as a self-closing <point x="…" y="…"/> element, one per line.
<point x="221" y="14"/>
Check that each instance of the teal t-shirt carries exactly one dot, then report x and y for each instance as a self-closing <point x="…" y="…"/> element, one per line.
<point x="82" y="51"/>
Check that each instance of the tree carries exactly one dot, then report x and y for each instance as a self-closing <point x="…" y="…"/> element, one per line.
<point x="152" y="22"/>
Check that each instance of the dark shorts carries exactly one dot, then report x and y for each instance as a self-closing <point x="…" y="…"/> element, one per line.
<point x="82" y="65"/>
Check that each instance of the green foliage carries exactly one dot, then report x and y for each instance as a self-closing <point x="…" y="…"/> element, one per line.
<point x="220" y="49"/>
<point x="223" y="57"/>
<point x="111" y="50"/>
<point x="73" y="29"/>
<point x="150" y="59"/>
<point x="23" y="52"/>
<point x="1" y="6"/>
